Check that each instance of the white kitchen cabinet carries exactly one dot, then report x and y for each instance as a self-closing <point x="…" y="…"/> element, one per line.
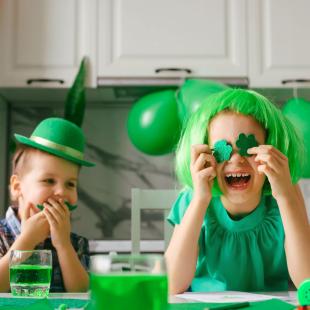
<point x="46" y="40"/>
<point x="140" y="38"/>
<point x="279" y="45"/>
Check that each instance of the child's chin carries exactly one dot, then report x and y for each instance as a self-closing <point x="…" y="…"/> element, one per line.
<point x="237" y="194"/>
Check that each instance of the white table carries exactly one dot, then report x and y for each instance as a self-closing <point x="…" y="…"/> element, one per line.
<point x="289" y="296"/>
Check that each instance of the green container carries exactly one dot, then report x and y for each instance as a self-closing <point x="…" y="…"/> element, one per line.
<point x="31" y="279"/>
<point x="131" y="291"/>
<point x="304" y="293"/>
<point x="119" y="282"/>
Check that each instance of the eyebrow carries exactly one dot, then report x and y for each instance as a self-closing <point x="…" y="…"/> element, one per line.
<point x="48" y="174"/>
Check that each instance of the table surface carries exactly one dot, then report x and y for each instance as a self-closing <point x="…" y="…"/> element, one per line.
<point x="289" y="296"/>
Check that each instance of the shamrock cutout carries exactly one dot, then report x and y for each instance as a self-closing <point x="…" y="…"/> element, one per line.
<point x="70" y="207"/>
<point x="246" y="142"/>
<point x="222" y="151"/>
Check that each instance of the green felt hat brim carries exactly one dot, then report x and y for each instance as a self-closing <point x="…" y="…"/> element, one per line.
<point x="24" y="140"/>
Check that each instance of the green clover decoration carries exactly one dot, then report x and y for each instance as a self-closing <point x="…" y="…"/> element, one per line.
<point x="244" y="143"/>
<point x="70" y="207"/>
<point x="222" y="151"/>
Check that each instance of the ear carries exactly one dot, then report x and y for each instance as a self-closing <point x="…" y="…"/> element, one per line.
<point x="15" y="187"/>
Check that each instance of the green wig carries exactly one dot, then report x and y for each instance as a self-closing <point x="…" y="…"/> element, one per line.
<point x="279" y="131"/>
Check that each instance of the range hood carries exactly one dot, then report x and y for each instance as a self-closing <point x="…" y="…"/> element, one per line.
<point x="128" y="90"/>
<point x="166" y="81"/>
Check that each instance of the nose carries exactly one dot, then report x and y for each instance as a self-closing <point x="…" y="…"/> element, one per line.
<point x="236" y="157"/>
<point x="60" y="190"/>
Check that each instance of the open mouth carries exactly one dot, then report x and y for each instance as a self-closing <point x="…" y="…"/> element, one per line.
<point x="237" y="180"/>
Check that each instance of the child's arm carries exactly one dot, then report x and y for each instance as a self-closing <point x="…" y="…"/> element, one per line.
<point x="182" y="253"/>
<point x="33" y="231"/>
<point x="292" y="209"/>
<point x="297" y="236"/>
<point x="74" y="275"/>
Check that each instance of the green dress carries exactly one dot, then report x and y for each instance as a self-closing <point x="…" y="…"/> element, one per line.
<point x="241" y="255"/>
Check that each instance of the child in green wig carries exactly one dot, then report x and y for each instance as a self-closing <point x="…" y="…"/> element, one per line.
<point x="240" y="223"/>
<point x="43" y="188"/>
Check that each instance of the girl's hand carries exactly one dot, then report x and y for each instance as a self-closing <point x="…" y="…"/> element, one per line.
<point x="34" y="225"/>
<point x="275" y="166"/>
<point x="202" y="169"/>
<point x="58" y="216"/>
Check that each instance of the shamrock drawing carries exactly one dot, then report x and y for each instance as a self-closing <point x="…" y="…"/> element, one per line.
<point x="222" y="151"/>
<point x="245" y="142"/>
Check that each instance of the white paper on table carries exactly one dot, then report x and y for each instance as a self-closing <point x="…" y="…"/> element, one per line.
<point x="227" y="296"/>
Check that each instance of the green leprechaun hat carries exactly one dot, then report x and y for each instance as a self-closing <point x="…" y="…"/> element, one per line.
<point x="59" y="137"/>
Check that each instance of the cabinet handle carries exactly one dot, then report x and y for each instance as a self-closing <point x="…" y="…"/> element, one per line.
<point x="295" y="81"/>
<point x="30" y="81"/>
<point x="189" y="71"/>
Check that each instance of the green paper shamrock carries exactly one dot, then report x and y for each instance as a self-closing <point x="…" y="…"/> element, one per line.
<point x="70" y="207"/>
<point x="244" y="143"/>
<point x="222" y="151"/>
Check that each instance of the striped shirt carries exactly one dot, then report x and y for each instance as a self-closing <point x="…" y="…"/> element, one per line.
<point x="10" y="229"/>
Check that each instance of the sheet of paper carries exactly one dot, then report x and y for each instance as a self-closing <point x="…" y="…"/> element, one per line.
<point x="227" y="296"/>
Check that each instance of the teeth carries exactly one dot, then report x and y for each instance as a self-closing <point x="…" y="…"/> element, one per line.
<point x="237" y="175"/>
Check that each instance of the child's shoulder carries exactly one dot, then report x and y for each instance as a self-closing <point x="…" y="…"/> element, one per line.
<point x="75" y="236"/>
<point x="78" y="241"/>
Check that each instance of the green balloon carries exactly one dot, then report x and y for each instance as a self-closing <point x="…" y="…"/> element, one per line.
<point x="193" y="92"/>
<point x="297" y="110"/>
<point x="153" y="124"/>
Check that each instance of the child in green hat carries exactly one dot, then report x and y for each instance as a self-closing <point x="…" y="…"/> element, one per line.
<point x="240" y="223"/>
<point x="43" y="188"/>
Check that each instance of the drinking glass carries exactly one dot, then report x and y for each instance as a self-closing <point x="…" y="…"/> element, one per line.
<point x="30" y="272"/>
<point x="119" y="282"/>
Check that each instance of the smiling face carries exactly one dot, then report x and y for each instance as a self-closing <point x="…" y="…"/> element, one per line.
<point x="238" y="178"/>
<point x="44" y="176"/>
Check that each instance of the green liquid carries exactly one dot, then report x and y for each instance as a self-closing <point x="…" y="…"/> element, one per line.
<point x="30" y="280"/>
<point x="129" y="291"/>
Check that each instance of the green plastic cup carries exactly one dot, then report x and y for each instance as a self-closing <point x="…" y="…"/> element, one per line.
<point x="120" y="281"/>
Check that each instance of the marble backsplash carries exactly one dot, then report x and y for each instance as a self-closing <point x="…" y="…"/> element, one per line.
<point x="104" y="191"/>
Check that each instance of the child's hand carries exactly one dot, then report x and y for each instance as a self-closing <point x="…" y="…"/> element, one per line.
<point x="275" y="166"/>
<point x="203" y="171"/>
<point x="58" y="217"/>
<point x="34" y="226"/>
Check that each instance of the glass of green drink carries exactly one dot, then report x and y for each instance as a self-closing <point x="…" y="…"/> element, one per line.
<point x="30" y="272"/>
<point x="119" y="282"/>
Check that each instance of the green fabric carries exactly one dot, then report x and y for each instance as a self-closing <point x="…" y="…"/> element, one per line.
<point x="40" y="304"/>
<point x="241" y="255"/>
<point x="261" y="305"/>
<point x="51" y="304"/>
<point x="58" y="131"/>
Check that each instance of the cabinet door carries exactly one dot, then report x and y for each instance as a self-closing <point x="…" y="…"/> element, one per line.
<point x="279" y="45"/>
<point x="44" y="39"/>
<point x="138" y="38"/>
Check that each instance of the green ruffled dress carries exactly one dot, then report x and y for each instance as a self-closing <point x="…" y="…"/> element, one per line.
<point x="240" y="255"/>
